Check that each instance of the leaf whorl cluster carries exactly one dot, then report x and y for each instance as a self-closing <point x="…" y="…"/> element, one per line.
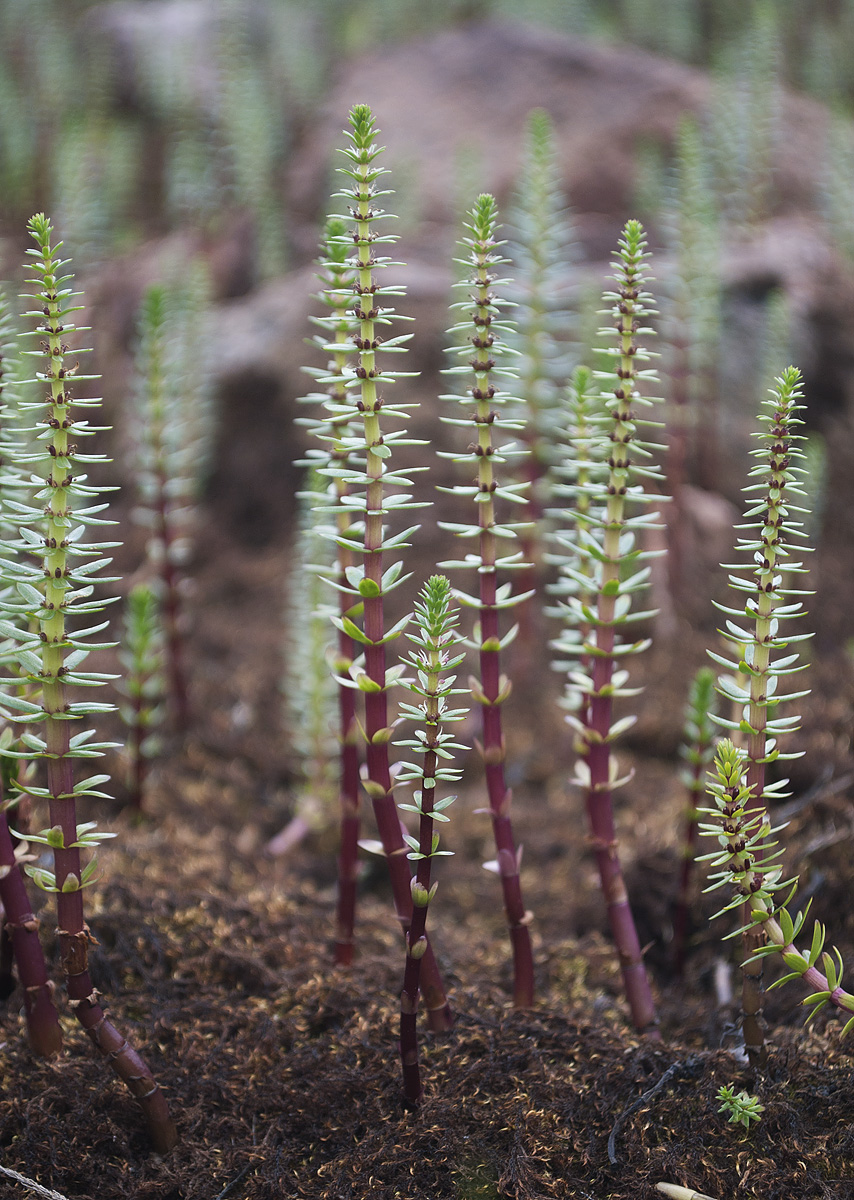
<point x="748" y="862"/>
<point x="436" y="643"/>
<point x="53" y="566"/>
<point x="482" y="339"/>
<point x="602" y="560"/>
<point x="756" y="631"/>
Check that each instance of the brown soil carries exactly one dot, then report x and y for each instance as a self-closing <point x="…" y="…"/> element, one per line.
<point x="282" y="1072"/>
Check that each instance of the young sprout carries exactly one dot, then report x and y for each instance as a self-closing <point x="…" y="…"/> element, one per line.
<point x="740" y="1107"/>
<point x="434" y="656"/>
<point x="55" y="570"/>
<point x="484" y="329"/>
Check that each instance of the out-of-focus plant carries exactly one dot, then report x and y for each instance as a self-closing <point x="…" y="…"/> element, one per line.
<point x="172" y="441"/>
<point x="309" y="686"/>
<point x="332" y="426"/>
<point x="54" y="570"/>
<point x="697" y="751"/>
<point x="745" y="122"/>
<point x="542" y="250"/>
<point x="434" y="656"/>
<point x="142" y="684"/>
<point x="481" y="338"/>
<point x="580" y="468"/>
<point x="691" y="328"/>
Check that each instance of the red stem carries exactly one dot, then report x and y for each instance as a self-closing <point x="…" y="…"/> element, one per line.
<point x="74" y="938"/>
<point x="22" y="927"/>
<point x="412" y="1089"/>
<point x="500" y="796"/>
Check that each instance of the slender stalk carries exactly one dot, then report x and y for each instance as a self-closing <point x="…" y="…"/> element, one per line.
<point x="484" y="330"/>
<point x="21" y="926"/>
<point x="53" y="592"/>
<point x="617" y="577"/>
<point x="372" y="582"/>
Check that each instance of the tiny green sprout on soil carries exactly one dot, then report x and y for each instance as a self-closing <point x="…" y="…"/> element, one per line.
<point x="740" y="1107"/>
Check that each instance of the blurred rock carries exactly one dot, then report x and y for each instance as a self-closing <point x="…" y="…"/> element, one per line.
<point x="452" y="108"/>
<point x="166" y="56"/>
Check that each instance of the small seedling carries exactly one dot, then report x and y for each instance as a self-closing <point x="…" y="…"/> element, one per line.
<point x="740" y="1107"/>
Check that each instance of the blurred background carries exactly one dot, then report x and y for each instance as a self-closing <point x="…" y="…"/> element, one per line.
<point x="194" y="140"/>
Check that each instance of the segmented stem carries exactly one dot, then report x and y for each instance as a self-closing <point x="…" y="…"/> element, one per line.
<point x="373" y="583"/>
<point x="615" y="554"/>
<point x="755" y="642"/>
<point x="432" y="660"/>
<point x="52" y="529"/>
<point x="484" y="330"/>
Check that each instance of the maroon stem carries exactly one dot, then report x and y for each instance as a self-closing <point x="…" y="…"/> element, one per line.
<point x="74" y="940"/>
<point x="22" y="926"/>
<point x="600" y="812"/>
<point x="387" y="818"/>
<point x="415" y="942"/>
<point x="500" y="796"/>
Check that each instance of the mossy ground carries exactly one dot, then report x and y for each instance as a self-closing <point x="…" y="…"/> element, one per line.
<point x="282" y="1072"/>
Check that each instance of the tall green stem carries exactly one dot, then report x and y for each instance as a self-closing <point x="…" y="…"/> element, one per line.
<point x="484" y="331"/>
<point x="52" y="530"/>
<point x="373" y="581"/>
